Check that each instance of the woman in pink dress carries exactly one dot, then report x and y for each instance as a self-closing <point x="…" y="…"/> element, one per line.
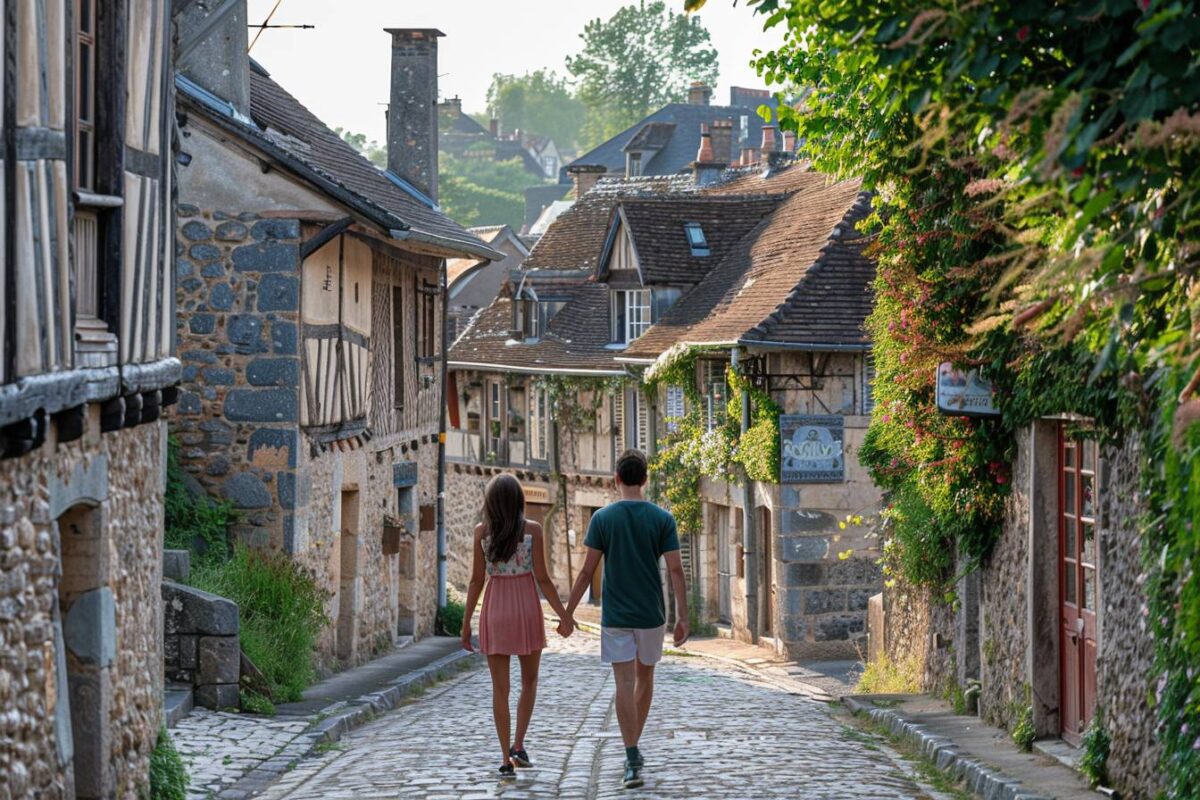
<point x="509" y="555"/>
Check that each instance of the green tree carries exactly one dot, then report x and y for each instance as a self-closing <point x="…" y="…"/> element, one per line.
<point x="1037" y="169"/>
<point x="637" y="61"/>
<point x="477" y="190"/>
<point x="375" y="152"/>
<point x="539" y="102"/>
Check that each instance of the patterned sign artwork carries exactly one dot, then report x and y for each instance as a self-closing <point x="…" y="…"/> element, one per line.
<point x="811" y="449"/>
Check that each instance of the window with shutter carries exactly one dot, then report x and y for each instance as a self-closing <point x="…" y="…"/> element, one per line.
<point x="674" y="407"/>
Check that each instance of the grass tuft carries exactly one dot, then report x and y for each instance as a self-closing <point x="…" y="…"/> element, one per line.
<point x="885" y="676"/>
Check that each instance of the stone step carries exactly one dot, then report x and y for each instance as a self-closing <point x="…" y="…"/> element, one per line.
<point x="177" y="702"/>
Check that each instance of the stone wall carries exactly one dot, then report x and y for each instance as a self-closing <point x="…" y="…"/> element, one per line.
<point x="917" y="622"/>
<point x="1004" y="609"/>
<point x="200" y="644"/>
<point x="80" y="630"/>
<point x="238" y="328"/>
<point x="1124" y="669"/>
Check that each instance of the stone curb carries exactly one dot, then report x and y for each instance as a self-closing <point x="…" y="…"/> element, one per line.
<point x="342" y="718"/>
<point x="981" y="780"/>
<point x="787" y="684"/>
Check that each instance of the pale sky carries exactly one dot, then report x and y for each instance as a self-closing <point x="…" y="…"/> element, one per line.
<point x="339" y="70"/>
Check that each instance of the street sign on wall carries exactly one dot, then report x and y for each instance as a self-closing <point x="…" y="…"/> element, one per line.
<point x="964" y="394"/>
<point x="810" y="449"/>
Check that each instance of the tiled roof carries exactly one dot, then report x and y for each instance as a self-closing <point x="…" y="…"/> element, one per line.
<point x="787" y="268"/>
<point x="576" y="238"/>
<point x="284" y="127"/>
<point x="575" y="341"/>
<point x="799" y="277"/>
<point x="663" y="251"/>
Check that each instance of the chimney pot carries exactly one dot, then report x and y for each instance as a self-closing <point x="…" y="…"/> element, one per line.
<point x="705" y="154"/>
<point x="768" y="138"/>
<point x="412" y="140"/>
<point x="699" y="94"/>
<point x="789" y="141"/>
<point x="749" y="156"/>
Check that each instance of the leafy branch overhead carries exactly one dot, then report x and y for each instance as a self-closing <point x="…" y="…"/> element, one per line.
<point x="1036" y="173"/>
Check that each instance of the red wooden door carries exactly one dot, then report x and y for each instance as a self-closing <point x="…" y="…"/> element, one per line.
<point x="1077" y="580"/>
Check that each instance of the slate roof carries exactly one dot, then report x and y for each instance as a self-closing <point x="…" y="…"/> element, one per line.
<point x="651" y="136"/>
<point x="656" y="224"/>
<point x="801" y="277"/>
<point x="679" y="149"/>
<point x="283" y="128"/>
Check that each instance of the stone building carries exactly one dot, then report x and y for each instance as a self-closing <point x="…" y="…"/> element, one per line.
<point x="86" y="368"/>
<point x="311" y="326"/>
<point x="761" y="260"/>
<point x="1052" y="622"/>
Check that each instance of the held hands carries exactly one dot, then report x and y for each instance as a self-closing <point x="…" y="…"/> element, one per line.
<point x="466" y="637"/>
<point x="566" y="627"/>
<point x="681" y="632"/>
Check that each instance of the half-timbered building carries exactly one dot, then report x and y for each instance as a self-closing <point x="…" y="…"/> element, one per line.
<point x="761" y="264"/>
<point x="87" y="365"/>
<point x="311" y="317"/>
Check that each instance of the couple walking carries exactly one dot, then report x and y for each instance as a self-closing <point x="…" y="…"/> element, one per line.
<point x="631" y="535"/>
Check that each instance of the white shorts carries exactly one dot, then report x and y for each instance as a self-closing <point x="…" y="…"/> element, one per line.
<point x="618" y="645"/>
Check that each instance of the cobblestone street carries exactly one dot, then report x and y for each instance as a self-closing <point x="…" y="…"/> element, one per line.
<point x="714" y="732"/>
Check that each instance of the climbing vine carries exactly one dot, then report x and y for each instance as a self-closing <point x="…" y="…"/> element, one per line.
<point x="1037" y="176"/>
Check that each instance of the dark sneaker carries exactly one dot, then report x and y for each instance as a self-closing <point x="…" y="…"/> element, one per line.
<point x="639" y="762"/>
<point x="519" y="757"/>
<point x="633" y="776"/>
<point x="507" y="772"/>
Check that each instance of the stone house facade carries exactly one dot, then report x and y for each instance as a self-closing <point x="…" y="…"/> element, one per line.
<point x="762" y="260"/>
<point x="87" y="367"/>
<point x="1052" y="622"/>
<point x="311" y="330"/>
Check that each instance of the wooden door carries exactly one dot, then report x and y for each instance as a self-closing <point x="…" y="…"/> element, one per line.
<point x="1078" y="582"/>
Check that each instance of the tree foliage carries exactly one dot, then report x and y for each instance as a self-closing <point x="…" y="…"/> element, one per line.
<point x="1035" y="165"/>
<point x="373" y="150"/>
<point x="540" y="102"/>
<point x="637" y="61"/>
<point x="476" y="190"/>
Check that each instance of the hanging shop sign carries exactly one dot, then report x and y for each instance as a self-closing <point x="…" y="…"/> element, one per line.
<point x="811" y="449"/>
<point x="964" y="394"/>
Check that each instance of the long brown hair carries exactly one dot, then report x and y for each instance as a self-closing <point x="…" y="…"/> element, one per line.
<point x="504" y="513"/>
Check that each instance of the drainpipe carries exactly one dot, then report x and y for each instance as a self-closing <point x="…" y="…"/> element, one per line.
<point x="441" y="458"/>
<point x="749" y="551"/>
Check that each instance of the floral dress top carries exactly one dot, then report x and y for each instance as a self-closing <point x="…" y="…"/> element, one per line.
<point x="521" y="562"/>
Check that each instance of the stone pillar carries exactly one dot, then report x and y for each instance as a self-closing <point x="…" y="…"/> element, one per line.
<point x="412" y="135"/>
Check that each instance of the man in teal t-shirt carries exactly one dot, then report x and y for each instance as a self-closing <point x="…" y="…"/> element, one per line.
<point x="632" y="534"/>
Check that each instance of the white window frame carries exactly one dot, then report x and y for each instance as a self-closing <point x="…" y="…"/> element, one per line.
<point x="637" y="305"/>
<point x="539" y="423"/>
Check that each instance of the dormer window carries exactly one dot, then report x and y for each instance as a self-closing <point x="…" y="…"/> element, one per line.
<point x="633" y="165"/>
<point x="695" y="237"/>
<point x="526" y="319"/>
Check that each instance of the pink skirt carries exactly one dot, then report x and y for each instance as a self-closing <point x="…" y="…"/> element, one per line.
<point x="511" y="623"/>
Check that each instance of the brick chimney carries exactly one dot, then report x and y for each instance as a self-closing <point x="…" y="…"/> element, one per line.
<point x="212" y="50"/>
<point x="789" y="141"/>
<point x="494" y="127"/>
<point x="722" y="140"/>
<point x="699" y="94"/>
<point x="585" y="176"/>
<point x="706" y="169"/>
<point x="412" y="136"/>
<point x="749" y="156"/>
<point x="768" y="138"/>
